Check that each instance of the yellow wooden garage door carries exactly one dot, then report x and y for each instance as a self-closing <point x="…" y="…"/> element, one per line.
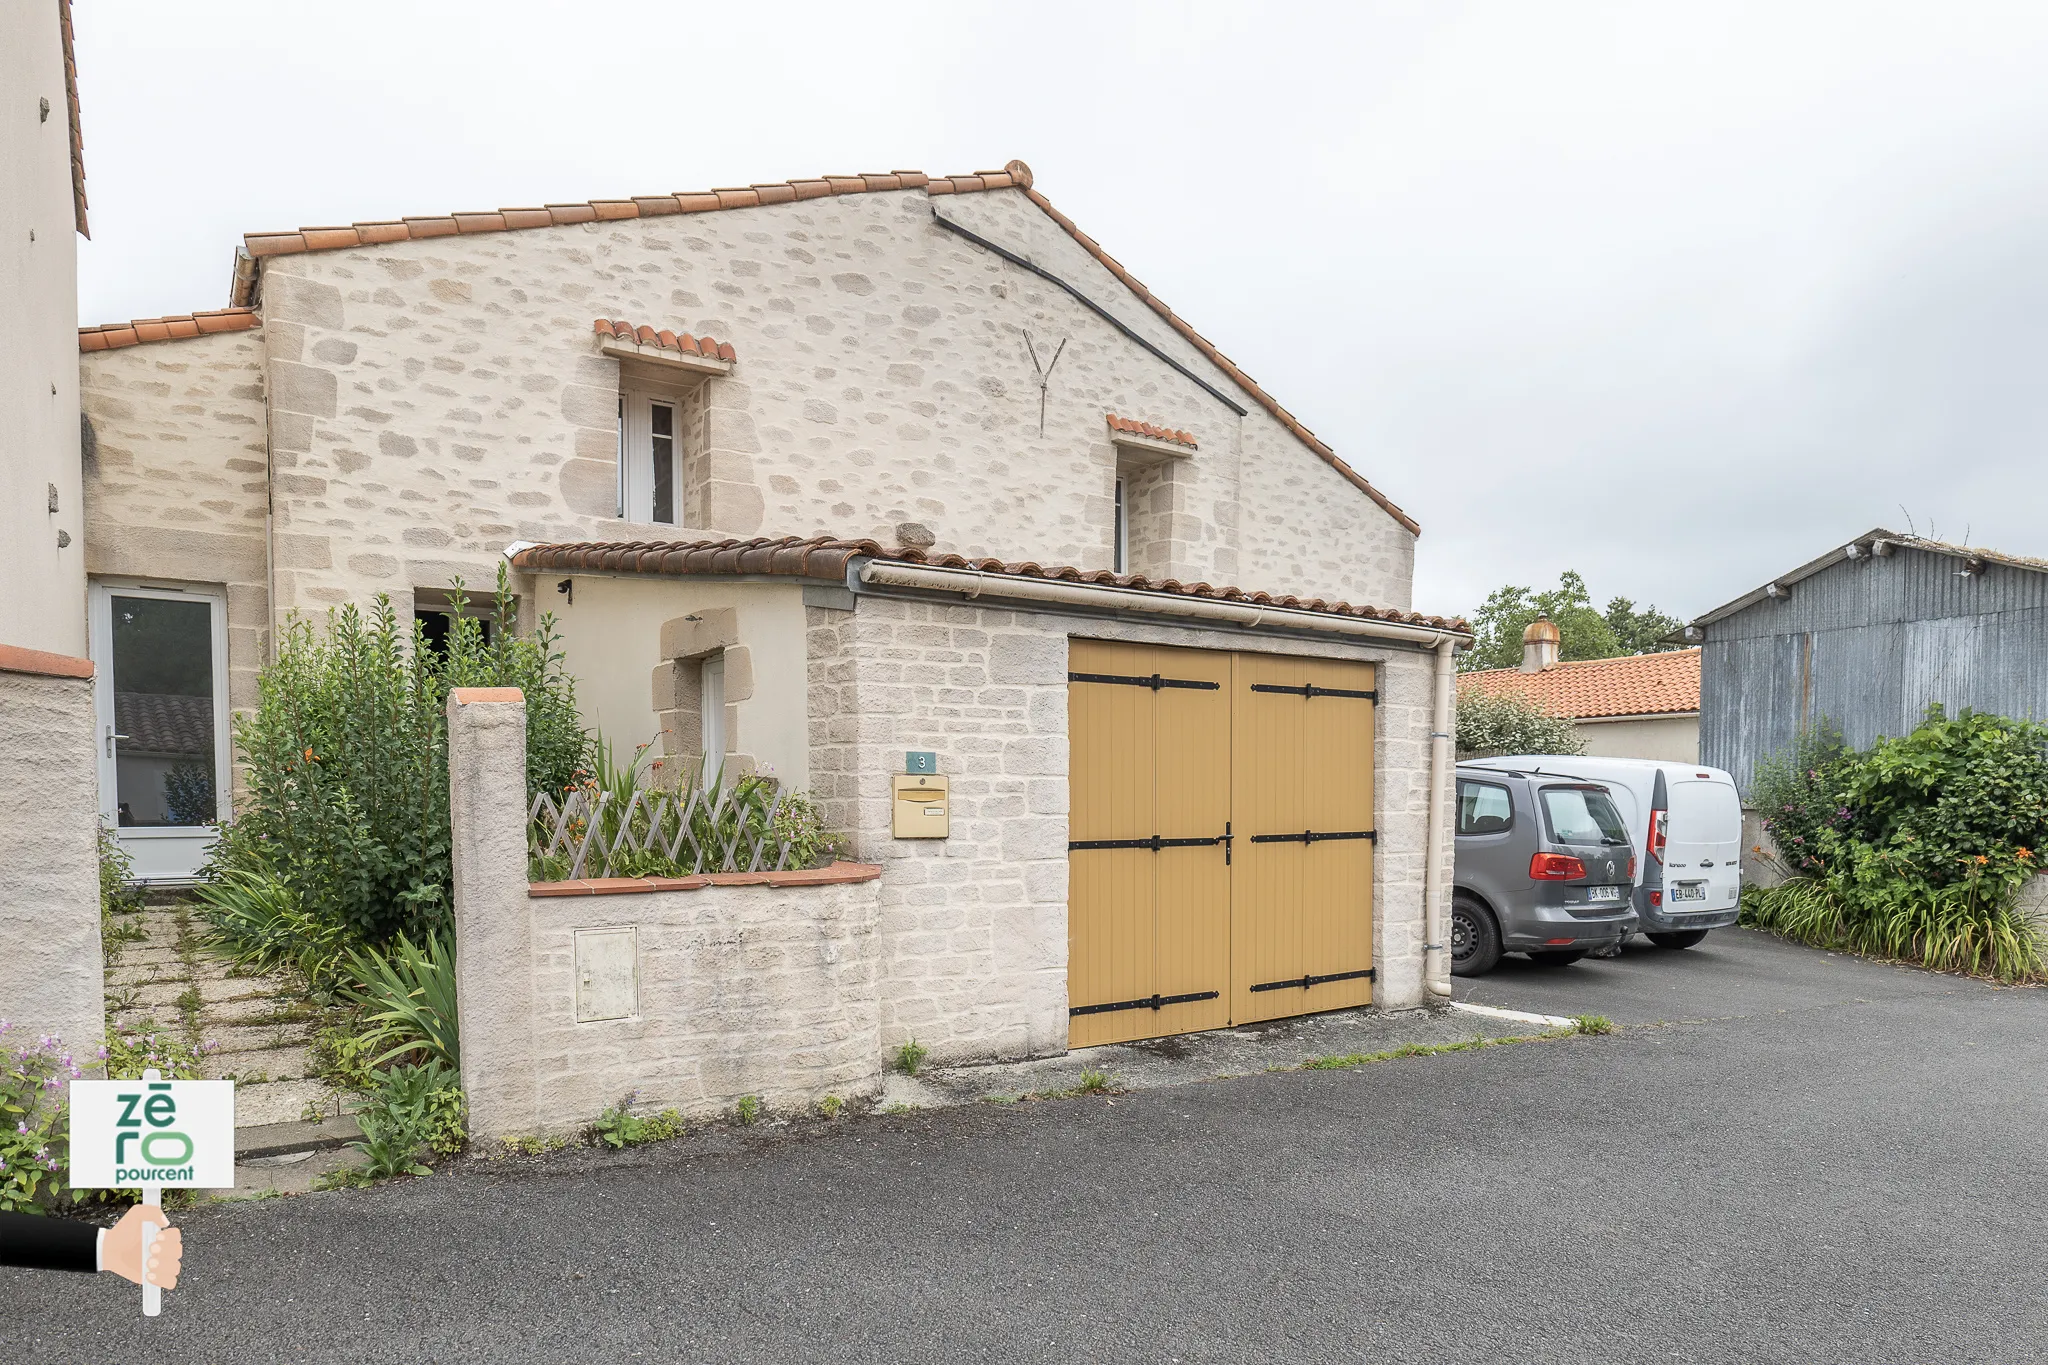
<point x="1148" y="926"/>
<point x="1301" y="802"/>
<point x="1220" y="827"/>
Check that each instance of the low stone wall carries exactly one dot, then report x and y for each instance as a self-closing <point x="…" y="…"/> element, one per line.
<point x="50" y="963"/>
<point x="690" y="991"/>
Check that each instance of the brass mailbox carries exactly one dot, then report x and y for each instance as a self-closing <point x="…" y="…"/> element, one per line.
<point x="919" y="810"/>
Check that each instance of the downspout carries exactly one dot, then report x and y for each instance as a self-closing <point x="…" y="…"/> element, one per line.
<point x="1436" y="974"/>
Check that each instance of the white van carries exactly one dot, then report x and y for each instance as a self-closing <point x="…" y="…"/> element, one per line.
<point x="1686" y="822"/>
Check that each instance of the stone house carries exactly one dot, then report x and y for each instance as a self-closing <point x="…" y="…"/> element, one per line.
<point x="1636" y="706"/>
<point x="846" y="467"/>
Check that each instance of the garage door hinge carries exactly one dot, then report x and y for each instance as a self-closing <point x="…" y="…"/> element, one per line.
<point x="1155" y="682"/>
<point x="1157" y="842"/>
<point x="1316" y="836"/>
<point x="1311" y="690"/>
<point x="1153" y="1002"/>
<point x="1302" y="983"/>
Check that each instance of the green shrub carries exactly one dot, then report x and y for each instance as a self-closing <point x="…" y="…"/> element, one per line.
<point x="910" y="1056"/>
<point x="260" y="920"/>
<point x="413" y="1107"/>
<point x="347" y="758"/>
<point x="619" y="1126"/>
<point x="407" y="993"/>
<point x="1914" y="849"/>
<point x="1798" y="795"/>
<point x="35" y="1083"/>
<point x="748" y="1111"/>
<point x="1490" y="724"/>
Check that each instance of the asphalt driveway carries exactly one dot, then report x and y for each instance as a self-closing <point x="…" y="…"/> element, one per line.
<point x="1815" y="1159"/>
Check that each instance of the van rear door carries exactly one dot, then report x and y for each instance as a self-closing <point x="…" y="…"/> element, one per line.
<point x="1703" y="849"/>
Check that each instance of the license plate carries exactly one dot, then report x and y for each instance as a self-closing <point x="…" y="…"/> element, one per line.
<point x="1689" y="891"/>
<point x="1596" y="894"/>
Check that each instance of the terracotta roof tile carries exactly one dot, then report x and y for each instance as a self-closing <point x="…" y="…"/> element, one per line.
<point x="1130" y="428"/>
<point x="681" y="343"/>
<point x="828" y="558"/>
<point x="1636" y="685"/>
<point x="114" y="335"/>
<point x="71" y="111"/>
<point x="1016" y="175"/>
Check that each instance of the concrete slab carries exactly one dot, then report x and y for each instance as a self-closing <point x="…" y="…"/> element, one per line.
<point x="1278" y="1045"/>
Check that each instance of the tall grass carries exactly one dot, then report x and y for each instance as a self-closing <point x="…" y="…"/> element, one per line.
<point x="1961" y="928"/>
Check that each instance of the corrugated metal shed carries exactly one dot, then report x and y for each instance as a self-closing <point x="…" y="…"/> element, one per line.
<point x="1865" y="638"/>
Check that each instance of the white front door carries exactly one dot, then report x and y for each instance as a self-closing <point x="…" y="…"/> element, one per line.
<point x="161" y="670"/>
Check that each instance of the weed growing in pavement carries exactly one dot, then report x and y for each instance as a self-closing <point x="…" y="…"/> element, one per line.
<point x="910" y="1057"/>
<point x="532" y="1144"/>
<point x="1349" y="1060"/>
<point x="830" y="1106"/>
<point x="1093" y="1082"/>
<point x="1593" y="1023"/>
<point x="899" y="1107"/>
<point x="619" y="1126"/>
<point x="748" y="1110"/>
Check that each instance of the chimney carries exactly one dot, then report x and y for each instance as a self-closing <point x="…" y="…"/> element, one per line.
<point x="1540" y="645"/>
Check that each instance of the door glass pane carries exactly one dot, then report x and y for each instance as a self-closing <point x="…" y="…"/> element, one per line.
<point x="164" y="756"/>
<point x="711" y="711"/>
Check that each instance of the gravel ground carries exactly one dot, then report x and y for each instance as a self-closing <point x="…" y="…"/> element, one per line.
<point x="1817" y="1159"/>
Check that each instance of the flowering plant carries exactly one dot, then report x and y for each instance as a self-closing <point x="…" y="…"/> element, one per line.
<point x="35" y="1082"/>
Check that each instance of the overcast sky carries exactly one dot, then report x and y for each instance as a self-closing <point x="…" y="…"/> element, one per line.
<point x="1676" y="295"/>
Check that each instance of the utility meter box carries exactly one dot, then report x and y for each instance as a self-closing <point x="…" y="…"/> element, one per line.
<point x="920" y="807"/>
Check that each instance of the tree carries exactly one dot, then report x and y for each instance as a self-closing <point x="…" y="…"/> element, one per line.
<point x="1640" y="632"/>
<point x="1587" y="633"/>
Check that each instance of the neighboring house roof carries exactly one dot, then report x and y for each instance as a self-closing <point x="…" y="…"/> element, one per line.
<point x="1876" y="541"/>
<point x="77" y="130"/>
<point x="159" y="723"/>
<point x="683" y="344"/>
<point x="1666" y="684"/>
<point x="827" y="558"/>
<point x="1130" y="428"/>
<point x="1016" y="175"/>
<point x="114" y="335"/>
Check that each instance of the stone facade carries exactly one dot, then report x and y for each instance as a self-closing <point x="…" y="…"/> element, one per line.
<point x="50" y="970"/>
<point x="973" y="929"/>
<point x="42" y="556"/>
<point x="427" y="401"/>
<point x="178" y="488"/>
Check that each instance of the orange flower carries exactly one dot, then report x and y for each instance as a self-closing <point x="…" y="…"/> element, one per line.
<point x="1981" y="860"/>
<point x="310" y="758"/>
<point x="2023" y="854"/>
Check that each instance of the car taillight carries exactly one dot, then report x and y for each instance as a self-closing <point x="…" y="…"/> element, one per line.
<point x="1656" y="900"/>
<point x="1631" y="867"/>
<point x="1660" y="825"/>
<point x="1555" y="867"/>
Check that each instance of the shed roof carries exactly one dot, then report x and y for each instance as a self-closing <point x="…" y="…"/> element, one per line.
<point x="1666" y="684"/>
<point x="828" y="558"/>
<point x="1876" y="541"/>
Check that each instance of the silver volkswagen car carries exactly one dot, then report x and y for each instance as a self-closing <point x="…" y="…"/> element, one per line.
<point x="1545" y="867"/>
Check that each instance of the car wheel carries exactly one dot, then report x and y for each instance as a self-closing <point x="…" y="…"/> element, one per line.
<point x="1680" y="938"/>
<point x="1475" y="940"/>
<point x="1562" y="957"/>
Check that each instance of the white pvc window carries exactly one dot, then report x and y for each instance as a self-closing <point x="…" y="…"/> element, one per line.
<point x="1121" y="555"/>
<point x="711" y="716"/>
<point x="647" y="457"/>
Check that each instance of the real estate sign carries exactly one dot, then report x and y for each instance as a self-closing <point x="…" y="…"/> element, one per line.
<point x="152" y="1133"/>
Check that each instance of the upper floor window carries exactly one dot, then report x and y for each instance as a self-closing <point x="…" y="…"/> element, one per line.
<point x="648" y="473"/>
<point x="1121" y="554"/>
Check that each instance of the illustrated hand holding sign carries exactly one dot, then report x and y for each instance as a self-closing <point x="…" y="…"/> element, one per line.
<point x="152" y="1135"/>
